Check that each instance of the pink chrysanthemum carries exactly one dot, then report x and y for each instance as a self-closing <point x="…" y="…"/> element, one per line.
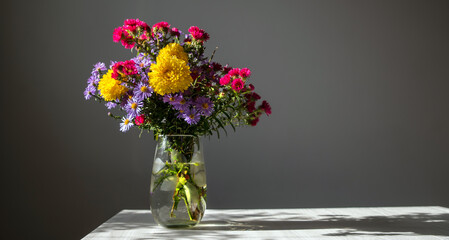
<point x="127" y="40"/>
<point x="245" y="73"/>
<point x="235" y="72"/>
<point x="238" y="84"/>
<point x="124" y="68"/>
<point x="130" y="24"/>
<point x="117" y="34"/>
<point x="198" y="34"/>
<point x="225" y="80"/>
<point x="161" y="26"/>
<point x="133" y="24"/>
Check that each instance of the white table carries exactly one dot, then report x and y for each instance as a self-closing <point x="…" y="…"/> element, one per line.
<point x="308" y="223"/>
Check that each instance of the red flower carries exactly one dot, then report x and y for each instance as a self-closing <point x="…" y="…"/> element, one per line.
<point x="139" y="120"/>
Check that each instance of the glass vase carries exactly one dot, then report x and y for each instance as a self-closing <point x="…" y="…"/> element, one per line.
<point x="178" y="181"/>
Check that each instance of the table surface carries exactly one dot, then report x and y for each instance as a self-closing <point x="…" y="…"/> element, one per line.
<point x="307" y="223"/>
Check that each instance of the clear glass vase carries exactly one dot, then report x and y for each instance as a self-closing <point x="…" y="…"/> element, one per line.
<point x="178" y="181"/>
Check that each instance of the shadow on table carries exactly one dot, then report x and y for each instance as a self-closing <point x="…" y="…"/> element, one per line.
<point x="344" y="225"/>
<point x="411" y="224"/>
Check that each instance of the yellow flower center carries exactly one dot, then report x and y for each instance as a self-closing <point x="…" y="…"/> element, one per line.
<point x="126" y="121"/>
<point x="143" y="89"/>
<point x="183" y="101"/>
<point x="172" y="99"/>
<point x="205" y="106"/>
<point x="191" y="116"/>
<point x="134" y="106"/>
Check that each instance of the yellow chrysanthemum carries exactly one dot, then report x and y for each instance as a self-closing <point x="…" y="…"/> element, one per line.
<point x="169" y="75"/>
<point x="173" y="49"/>
<point x="110" y="88"/>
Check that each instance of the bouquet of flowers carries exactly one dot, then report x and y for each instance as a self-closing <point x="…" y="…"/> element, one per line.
<point x="173" y="89"/>
<point x="170" y="87"/>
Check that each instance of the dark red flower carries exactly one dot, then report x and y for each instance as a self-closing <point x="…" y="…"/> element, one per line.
<point x="266" y="107"/>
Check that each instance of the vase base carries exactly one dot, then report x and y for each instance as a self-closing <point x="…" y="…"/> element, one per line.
<point x="178" y="224"/>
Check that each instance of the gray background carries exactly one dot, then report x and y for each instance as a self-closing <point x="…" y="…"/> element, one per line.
<point x="359" y="91"/>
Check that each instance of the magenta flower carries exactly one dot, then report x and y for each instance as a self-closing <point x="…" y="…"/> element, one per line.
<point x="198" y="34"/>
<point x="160" y="27"/>
<point x="117" y="34"/>
<point x="225" y="80"/>
<point x="245" y="72"/>
<point x="124" y="68"/>
<point x="235" y="72"/>
<point x="237" y="84"/>
<point x="127" y="40"/>
<point x="139" y="120"/>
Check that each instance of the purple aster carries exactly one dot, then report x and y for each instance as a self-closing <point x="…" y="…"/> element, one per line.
<point x="142" y="91"/>
<point x="144" y="75"/>
<point x="90" y="90"/>
<point x="204" y="106"/>
<point x="191" y="116"/>
<point x="126" y="124"/>
<point x="146" y="62"/>
<point x="112" y="64"/>
<point x="99" y="67"/>
<point x="133" y="107"/>
<point x="169" y="99"/>
<point x="180" y="103"/>
<point x="111" y="105"/>
<point x="125" y="99"/>
<point x="93" y="79"/>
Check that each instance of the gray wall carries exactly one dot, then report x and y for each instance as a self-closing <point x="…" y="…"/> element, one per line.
<point x="359" y="91"/>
